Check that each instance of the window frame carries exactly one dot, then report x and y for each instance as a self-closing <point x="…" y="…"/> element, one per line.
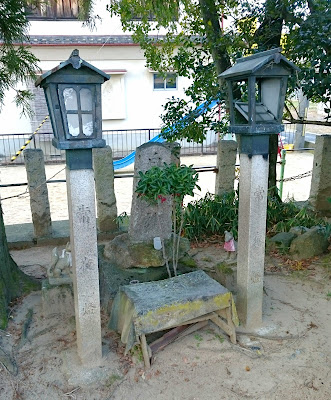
<point x="79" y="112"/>
<point x="165" y="80"/>
<point x="49" y="11"/>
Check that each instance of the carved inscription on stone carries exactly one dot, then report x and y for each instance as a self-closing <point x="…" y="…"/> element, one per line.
<point x="256" y="278"/>
<point x="258" y="240"/>
<point x="84" y="215"/>
<point x="259" y="193"/>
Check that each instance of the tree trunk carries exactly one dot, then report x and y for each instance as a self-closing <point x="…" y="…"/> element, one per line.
<point x="211" y="20"/>
<point x="13" y="282"/>
<point x="268" y="36"/>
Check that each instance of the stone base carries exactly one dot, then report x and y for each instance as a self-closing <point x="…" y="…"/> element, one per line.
<point x="57" y="299"/>
<point x="60" y="281"/>
<point x="125" y="254"/>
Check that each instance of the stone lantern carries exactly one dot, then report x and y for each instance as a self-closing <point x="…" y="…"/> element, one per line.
<point x="257" y="87"/>
<point x="73" y="95"/>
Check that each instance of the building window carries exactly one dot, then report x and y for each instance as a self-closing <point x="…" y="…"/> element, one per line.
<point x="165" y="82"/>
<point x="52" y="9"/>
<point x="150" y="17"/>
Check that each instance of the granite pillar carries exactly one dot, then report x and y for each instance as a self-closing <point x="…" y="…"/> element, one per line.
<point x="83" y="240"/>
<point x="39" y="203"/>
<point x="104" y="189"/>
<point x="226" y="163"/>
<point x="320" y="190"/>
<point x="253" y="189"/>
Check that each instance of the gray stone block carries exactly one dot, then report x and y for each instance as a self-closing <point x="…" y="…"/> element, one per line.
<point x="284" y="238"/>
<point x="309" y="244"/>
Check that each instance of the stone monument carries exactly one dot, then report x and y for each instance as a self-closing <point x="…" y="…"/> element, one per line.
<point x="148" y="221"/>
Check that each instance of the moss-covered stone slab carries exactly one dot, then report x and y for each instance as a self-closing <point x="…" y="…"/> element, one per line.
<point x="155" y="306"/>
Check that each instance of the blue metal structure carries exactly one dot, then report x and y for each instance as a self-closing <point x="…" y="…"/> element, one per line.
<point x="204" y="107"/>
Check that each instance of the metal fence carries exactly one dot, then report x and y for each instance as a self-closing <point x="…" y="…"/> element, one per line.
<point x="122" y="142"/>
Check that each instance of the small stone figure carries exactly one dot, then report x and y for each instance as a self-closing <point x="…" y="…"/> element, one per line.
<point x="230" y="246"/>
<point x="60" y="267"/>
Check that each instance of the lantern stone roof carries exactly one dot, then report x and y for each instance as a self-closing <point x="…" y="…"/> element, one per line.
<point x="76" y="63"/>
<point x="252" y="65"/>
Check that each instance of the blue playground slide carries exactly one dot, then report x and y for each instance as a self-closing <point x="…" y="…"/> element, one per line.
<point x="129" y="159"/>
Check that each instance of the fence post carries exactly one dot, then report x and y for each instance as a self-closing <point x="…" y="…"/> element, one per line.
<point x="104" y="189"/>
<point x="320" y="190"/>
<point x="226" y="164"/>
<point x="282" y="169"/>
<point x="39" y="203"/>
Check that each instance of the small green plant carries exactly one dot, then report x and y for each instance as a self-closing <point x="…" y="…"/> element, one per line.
<point x="170" y="183"/>
<point x="112" y="379"/>
<point x="198" y="338"/>
<point x="328" y="295"/>
<point x="223" y="268"/>
<point x="137" y="353"/>
<point x="219" y="337"/>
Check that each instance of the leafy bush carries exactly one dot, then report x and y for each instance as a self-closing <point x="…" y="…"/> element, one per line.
<point x="211" y="215"/>
<point x="158" y="185"/>
<point x="215" y="214"/>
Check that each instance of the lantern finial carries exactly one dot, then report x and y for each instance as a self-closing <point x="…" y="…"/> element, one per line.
<point x="75" y="60"/>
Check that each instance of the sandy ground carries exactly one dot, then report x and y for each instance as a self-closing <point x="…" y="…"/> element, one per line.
<point x="17" y="209"/>
<point x="289" y="357"/>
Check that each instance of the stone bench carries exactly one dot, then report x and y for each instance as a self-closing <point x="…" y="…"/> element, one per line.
<point x="185" y="302"/>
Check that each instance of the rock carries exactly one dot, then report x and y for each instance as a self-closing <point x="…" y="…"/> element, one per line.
<point x="124" y="254"/>
<point x="299" y="230"/>
<point x="284" y="238"/>
<point x="310" y="244"/>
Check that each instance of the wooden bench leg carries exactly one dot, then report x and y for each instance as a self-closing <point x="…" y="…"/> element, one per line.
<point x="228" y="312"/>
<point x="143" y="344"/>
<point x="228" y="326"/>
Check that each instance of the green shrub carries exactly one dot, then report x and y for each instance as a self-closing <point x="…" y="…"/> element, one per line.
<point x="216" y="214"/>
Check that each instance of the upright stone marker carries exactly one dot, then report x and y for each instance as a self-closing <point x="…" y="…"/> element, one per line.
<point x="148" y="221"/>
<point x="104" y="187"/>
<point x="39" y="203"/>
<point x="251" y="234"/>
<point x="73" y="94"/>
<point x="226" y="163"/>
<point x="320" y="189"/>
<point x="83" y="239"/>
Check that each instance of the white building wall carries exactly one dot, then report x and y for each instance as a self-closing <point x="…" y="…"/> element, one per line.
<point x="129" y="99"/>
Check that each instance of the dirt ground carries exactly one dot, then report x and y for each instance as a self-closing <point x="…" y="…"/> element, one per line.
<point x="289" y="357"/>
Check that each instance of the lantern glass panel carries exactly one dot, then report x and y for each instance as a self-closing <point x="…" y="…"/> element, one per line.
<point x="70" y="99"/>
<point x="85" y="99"/>
<point x="73" y="124"/>
<point x="87" y="122"/>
